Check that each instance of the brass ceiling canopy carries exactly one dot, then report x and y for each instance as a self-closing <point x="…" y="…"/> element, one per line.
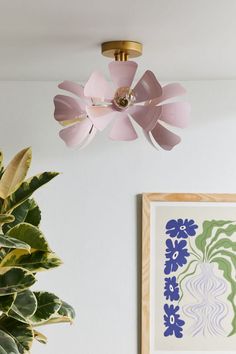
<point x="122" y="50"/>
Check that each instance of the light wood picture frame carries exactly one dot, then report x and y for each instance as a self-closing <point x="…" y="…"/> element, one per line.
<point x="217" y="212"/>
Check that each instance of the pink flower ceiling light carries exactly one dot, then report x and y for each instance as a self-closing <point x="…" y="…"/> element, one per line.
<point x="121" y="104"/>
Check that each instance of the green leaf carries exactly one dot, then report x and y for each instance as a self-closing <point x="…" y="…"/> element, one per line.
<point x="223" y="243"/>
<point x="41" y="338"/>
<point x="11" y="242"/>
<point x="225" y="266"/>
<point x="15" y="173"/>
<point x="6" y="302"/>
<point x="24" y="306"/>
<point x="67" y="310"/>
<point x="186" y="268"/>
<point x="36" y="261"/>
<point x="226" y="253"/>
<point x="31" y="235"/>
<point x="26" y="189"/>
<point x="28" y="212"/>
<point x="7" y="344"/>
<point x="228" y="231"/>
<point x="208" y="226"/>
<point x="14" y="280"/>
<point x="55" y="320"/>
<point x="6" y="218"/>
<point x="3" y="253"/>
<point x="19" y="215"/>
<point x="48" y="305"/>
<point x="21" y="333"/>
<point x="66" y="313"/>
<point x="34" y="214"/>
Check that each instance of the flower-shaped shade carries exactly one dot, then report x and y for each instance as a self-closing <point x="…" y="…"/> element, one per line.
<point x="120" y="104"/>
<point x="120" y="101"/>
<point x="71" y="112"/>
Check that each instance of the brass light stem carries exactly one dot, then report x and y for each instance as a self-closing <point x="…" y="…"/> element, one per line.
<point x="121" y="56"/>
<point x="121" y="50"/>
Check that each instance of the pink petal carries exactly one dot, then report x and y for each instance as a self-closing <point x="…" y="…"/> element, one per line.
<point x="67" y="108"/>
<point x="72" y="87"/>
<point x="176" y="114"/>
<point x="145" y="116"/>
<point x="100" y="116"/>
<point x="97" y="86"/>
<point x="75" y="134"/>
<point x="165" y="138"/>
<point x="122" y="128"/>
<point x="122" y="72"/>
<point x="89" y="138"/>
<point x="147" y="88"/>
<point x="148" y="136"/>
<point x="169" y="91"/>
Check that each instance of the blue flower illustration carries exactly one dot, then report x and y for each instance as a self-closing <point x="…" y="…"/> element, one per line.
<point x="172" y="321"/>
<point x="171" y="289"/>
<point x="181" y="228"/>
<point x="176" y="255"/>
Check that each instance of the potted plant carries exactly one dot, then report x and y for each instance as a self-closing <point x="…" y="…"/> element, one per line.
<point x="24" y="251"/>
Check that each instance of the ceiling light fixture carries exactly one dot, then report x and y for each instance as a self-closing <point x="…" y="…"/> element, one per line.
<point x="99" y="104"/>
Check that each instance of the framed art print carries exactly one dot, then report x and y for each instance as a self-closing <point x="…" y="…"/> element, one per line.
<point x="188" y="273"/>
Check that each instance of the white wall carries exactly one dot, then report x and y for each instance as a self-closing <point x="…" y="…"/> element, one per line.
<point x="90" y="211"/>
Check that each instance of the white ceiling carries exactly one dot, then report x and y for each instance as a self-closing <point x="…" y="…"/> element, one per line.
<point x="59" y="39"/>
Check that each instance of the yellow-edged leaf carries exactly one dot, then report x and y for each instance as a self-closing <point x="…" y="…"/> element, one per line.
<point x="15" y="173"/>
<point x="36" y="261"/>
<point x="21" y="333"/>
<point x="6" y="218"/>
<point x="31" y="235"/>
<point x="15" y="279"/>
<point x="7" y="344"/>
<point x="40" y="337"/>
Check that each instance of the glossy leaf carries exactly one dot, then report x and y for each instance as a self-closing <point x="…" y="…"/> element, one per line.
<point x="66" y="313"/>
<point x="34" y="214"/>
<point x="6" y="302"/>
<point x="7" y="344"/>
<point x="41" y="338"/>
<point x="14" y="280"/>
<point x="6" y="218"/>
<point x="22" y="333"/>
<point x="31" y="235"/>
<point x="26" y="189"/>
<point x="3" y="253"/>
<point x="57" y="319"/>
<point x="11" y="242"/>
<point x="26" y="212"/>
<point x="35" y="261"/>
<point x="67" y="310"/>
<point x="48" y="305"/>
<point x="24" y="306"/>
<point x="15" y="173"/>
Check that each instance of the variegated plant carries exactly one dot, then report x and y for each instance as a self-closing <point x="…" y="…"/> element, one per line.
<point x="24" y="251"/>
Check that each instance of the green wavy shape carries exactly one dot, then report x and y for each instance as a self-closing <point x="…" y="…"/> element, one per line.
<point x="208" y="226"/>
<point x="225" y="266"/>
